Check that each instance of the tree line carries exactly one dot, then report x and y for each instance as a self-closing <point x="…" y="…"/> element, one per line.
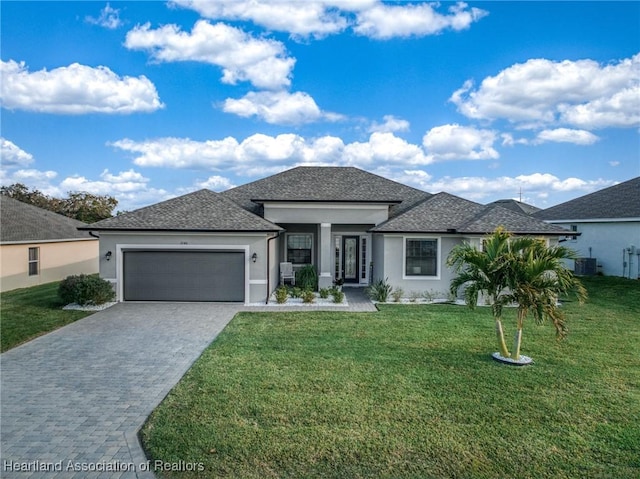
<point x="81" y="206"/>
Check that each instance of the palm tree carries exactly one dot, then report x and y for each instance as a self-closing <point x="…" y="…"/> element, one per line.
<point x="484" y="272"/>
<point x="537" y="279"/>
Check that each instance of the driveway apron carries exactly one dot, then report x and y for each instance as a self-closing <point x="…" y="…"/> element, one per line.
<point x="74" y="399"/>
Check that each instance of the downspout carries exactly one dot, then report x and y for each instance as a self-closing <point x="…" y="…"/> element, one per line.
<point x="269" y="266"/>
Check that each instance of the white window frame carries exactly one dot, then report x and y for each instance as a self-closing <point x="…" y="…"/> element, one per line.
<point x="286" y="247"/>
<point x="438" y="240"/>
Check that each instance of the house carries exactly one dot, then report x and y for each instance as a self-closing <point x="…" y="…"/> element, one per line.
<point x="350" y="224"/>
<point x="608" y="223"/>
<point x="38" y="246"/>
<point x="517" y="206"/>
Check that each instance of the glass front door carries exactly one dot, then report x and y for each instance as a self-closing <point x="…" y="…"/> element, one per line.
<point x="350" y="246"/>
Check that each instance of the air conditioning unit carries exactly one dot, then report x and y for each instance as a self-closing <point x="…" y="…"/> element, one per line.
<point x="585" y="267"/>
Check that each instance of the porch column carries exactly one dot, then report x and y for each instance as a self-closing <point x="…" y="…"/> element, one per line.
<point x="325" y="279"/>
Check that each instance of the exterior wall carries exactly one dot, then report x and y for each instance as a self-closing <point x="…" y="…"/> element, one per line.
<point x="57" y="261"/>
<point x="606" y="242"/>
<point x="393" y="261"/>
<point x="252" y="243"/>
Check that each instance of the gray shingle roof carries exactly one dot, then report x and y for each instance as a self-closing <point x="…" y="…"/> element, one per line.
<point x="22" y="222"/>
<point x="326" y="184"/>
<point x="446" y="213"/>
<point x="517" y="206"/>
<point x="202" y="210"/>
<point x="618" y="201"/>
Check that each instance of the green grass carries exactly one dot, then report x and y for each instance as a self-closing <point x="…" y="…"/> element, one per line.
<point x="31" y="312"/>
<point x="411" y="392"/>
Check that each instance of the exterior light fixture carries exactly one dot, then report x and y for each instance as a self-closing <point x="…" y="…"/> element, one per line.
<point x="108" y="255"/>
<point x="254" y="257"/>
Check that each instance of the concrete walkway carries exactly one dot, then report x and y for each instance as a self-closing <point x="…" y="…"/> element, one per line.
<point x="72" y="401"/>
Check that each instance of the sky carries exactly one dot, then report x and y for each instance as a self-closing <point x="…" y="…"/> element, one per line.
<point x="144" y="101"/>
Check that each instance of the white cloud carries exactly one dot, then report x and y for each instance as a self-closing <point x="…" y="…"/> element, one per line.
<point x="13" y="156"/>
<point x="262" y="62"/>
<point x="455" y="142"/>
<point x="76" y="89"/>
<point x="384" y="21"/>
<point x="390" y="125"/>
<point x="385" y="148"/>
<point x="566" y="135"/>
<point x="109" y="18"/>
<point x="539" y="92"/>
<point x="216" y="183"/>
<point x="280" y="108"/>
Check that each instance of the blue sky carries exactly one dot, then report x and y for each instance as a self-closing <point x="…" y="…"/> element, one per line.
<point x="144" y="101"/>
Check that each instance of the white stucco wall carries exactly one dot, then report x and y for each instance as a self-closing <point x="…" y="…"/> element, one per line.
<point x="606" y="241"/>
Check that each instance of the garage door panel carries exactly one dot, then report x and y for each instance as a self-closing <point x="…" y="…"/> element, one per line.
<point x="183" y="276"/>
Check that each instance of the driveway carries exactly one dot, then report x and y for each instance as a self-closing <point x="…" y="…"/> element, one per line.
<point x="73" y="400"/>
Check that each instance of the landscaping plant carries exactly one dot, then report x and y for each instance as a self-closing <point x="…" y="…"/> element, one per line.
<point x="281" y="295"/>
<point x="307" y="278"/>
<point x="380" y="290"/>
<point x="85" y="289"/>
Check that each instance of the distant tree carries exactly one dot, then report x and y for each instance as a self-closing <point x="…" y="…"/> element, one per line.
<point x="81" y="206"/>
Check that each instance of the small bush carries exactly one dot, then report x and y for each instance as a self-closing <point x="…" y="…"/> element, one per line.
<point x="307" y="278"/>
<point x="85" y="289"/>
<point x="414" y="296"/>
<point x="324" y="293"/>
<point x="281" y="295"/>
<point x="380" y="290"/>
<point x="397" y="294"/>
<point x="295" y="292"/>
<point x="338" y="296"/>
<point x="308" y="296"/>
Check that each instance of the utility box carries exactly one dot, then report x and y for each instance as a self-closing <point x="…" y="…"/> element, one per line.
<point x="585" y="267"/>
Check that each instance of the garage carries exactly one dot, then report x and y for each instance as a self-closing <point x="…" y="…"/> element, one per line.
<point x="170" y="275"/>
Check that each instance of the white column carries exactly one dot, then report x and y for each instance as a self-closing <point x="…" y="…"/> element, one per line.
<point x="325" y="279"/>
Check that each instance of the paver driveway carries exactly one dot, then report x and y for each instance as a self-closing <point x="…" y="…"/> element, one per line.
<point x="75" y="398"/>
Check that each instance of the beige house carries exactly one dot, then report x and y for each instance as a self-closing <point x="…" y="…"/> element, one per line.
<point x="38" y="246"/>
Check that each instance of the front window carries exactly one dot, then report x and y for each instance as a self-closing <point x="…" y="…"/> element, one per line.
<point x="299" y="248"/>
<point x="34" y="261"/>
<point x="421" y="258"/>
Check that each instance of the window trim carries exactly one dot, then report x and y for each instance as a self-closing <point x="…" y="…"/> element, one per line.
<point x="286" y="247"/>
<point x="437" y="276"/>
<point x="35" y="261"/>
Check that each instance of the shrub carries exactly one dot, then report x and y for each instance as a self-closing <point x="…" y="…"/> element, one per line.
<point x="295" y="292"/>
<point x="397" y="294"/>
<point x="281" y="295"/>
<point x="85" y="289"/>
<point x="414" y="296"/>
<point x="308" y="296"/>
<point x="380" y="290"/>
<point x="324" y="293"/>
<point x="307" y="278"/>
<point x="338" y="296"/>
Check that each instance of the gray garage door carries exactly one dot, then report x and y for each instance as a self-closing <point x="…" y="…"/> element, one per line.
<point x="183" y="275"/>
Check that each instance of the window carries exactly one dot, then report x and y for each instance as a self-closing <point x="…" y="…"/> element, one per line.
<point x="299" y="248"/>
<point x="421" y="257"/>
<point x="34" y="261"/>
<point x="574" y="228"/>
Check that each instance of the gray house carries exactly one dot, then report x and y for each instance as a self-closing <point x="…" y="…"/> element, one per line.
<point x="608" y="227"/>
<point x="350" y="224"/>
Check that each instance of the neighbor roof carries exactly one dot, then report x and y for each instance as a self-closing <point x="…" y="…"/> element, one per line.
<point x="446" y="213"/>
<point x="326" y="184"/>
<point x="517" y="206"/>
<point x="618" y="201"/>
<point x="202" y="210"/>
<point x="22" y="222"/>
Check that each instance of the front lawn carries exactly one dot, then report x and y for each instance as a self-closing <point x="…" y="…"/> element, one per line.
<point x="31" y="312"/>
<point x="411" y="392"/>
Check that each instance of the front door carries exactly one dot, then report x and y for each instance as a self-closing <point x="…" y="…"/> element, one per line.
<point x="350" y="246"/>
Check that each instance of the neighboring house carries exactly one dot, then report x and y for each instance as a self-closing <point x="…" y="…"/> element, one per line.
<point x="350" y="224"/>
<point x="608" y="223"/>
<point x="517" y="206"/>
<point x="38" y="246"/>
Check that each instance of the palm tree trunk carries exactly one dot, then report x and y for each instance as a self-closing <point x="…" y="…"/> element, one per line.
<point x="518" y="337"/>
<point x="504" y="352"/>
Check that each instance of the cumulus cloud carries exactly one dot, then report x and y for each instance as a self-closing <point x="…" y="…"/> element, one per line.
<point x="13" y="156"/>
<point x="262" y="62"/>
<point x="215" y="183"/>
<point x="321" y="18"/>
<point x="279" y="107"/>
<point x="581" y="93"/>
<point x="382" y="21"/>
<point x="76" y="89"/>
<point x="109" y="18"/>
<point x="455" y="142"/>
<point x="566" y="135"/>
<point x="390" y="125"/>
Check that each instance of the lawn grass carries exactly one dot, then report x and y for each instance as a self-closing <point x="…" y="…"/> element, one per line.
<point x="411" y="392"/>
<point x="31" y="312"/>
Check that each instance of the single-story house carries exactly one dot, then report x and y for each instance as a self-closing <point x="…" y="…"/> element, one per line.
<point x="607" y="223"/>
<point x="350" y="224"/>
<point x="38" y="246"/>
